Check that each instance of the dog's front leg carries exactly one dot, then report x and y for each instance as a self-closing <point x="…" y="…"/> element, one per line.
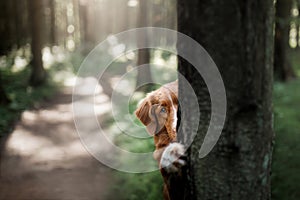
<point x="171" y="159"/>
<point x="171" y="163"/>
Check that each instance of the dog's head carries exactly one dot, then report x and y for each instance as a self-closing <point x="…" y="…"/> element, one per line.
<point x="158" y="111"/>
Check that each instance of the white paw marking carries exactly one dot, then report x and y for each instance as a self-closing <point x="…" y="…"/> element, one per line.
<point x="170" y="159"/>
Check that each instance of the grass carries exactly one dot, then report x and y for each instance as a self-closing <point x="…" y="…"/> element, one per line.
<point x="286" y="155"/>
<point x="146" y="186"/>
<point x="295" y="61"/>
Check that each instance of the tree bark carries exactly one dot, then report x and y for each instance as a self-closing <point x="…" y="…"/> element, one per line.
<point x="87" y="28"/>
<point x="7" y="32"/>
<point x="18" y="16"/>
<point x="144" y="72"/>
<point x="83" y="22"/>
<point x="52" y="22"/>
<point x="38" y="74"/>
<point x="298" y="25"/>
<point x="3" y="97"/>
<point x="239" y="37"/>
<point x="282" y="67"/>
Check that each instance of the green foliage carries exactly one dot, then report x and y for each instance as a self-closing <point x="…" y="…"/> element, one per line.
<point x="295" y="61"/>
<point x="21" y="96"/>
<point x="129" y="186"/>
<point x="76" y="60"/>
<point x="166" y="55"/>
<point x="146" y="186"/>
<point x="286" y="160"/>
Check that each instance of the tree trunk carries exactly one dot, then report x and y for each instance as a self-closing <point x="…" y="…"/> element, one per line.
<point x="76" y="22"/>
<point x="239" y="37"/>
<point x="86" y="26"/>
<point x="3" y="97"/>
<point x="52" y="22"/>
<point x="83" y="22"/>
<point x="298" y="24"/>
<point x="38" y="74"/>
<point x="144" y="72"/>
<point x="18" y="15"/>
<point x="7" y="32"/>
<point x="282" y="67"/>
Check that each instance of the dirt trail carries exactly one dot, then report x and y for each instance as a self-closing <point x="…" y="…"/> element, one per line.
<point x="44" y="158"/>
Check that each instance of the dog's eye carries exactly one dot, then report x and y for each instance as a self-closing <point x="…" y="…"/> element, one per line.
<point x="163" y="110"/>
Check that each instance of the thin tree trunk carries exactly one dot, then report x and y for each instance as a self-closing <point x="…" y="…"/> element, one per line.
<point x="85" y="28"/>
<point x="241" y="45"/>
<point x="3" y="97"/>
<point x="7" y="27"/>
<point x="282" y="67"/>
<point x="11" y="23"/>
<point x="76" y="22"/>
<point x="298" y="25"/>
<point x="144" y="72"/>
<point x="52" y="22"/>
<point x="17" y="15"/>
<point x="25" y="23"/>
<point x="38" y="74"/>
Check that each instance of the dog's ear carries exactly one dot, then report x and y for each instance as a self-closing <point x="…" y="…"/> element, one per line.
<point x="153" y="127"/>
<point x="146" y="113"/>
<point x="142" y="112"/>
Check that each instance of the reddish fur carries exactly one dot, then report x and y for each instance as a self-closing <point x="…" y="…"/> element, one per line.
<point x="167" y="134"/>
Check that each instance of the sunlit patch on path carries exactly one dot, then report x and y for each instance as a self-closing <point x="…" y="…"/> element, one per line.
<point x="44" y="158"/>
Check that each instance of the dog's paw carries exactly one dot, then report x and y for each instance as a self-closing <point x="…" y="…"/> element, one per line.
<point x="171" y="158"/>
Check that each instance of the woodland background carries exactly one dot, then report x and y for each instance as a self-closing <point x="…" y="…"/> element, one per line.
<point x="43" y="43"/>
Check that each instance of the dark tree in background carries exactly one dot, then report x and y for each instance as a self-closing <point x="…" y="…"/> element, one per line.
<point x="239" y="37"/>
<point x="38" y="74"/>
<point x="282" y="67"/>
<point x="11" y="25"/>
<point x="3" y="97"/>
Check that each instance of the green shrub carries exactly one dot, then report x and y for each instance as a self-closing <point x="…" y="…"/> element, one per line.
<point x="148" y="186"/>
<point x="21" y="96"/>
<point x="286" y="160"/>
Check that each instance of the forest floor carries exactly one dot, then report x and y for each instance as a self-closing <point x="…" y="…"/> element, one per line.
<point x="43" y="158"/>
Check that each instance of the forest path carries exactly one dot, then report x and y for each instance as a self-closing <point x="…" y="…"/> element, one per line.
<point x="44" y="159"/>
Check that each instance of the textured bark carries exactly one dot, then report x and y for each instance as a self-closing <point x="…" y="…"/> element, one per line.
<point x="282" y="67"/>
<point x="38" y="73"/>
<point x="144" y="73"/>
<point x="239" y="37"/>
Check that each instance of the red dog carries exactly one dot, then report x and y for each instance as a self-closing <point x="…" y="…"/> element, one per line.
<point x="158" y="112"/>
